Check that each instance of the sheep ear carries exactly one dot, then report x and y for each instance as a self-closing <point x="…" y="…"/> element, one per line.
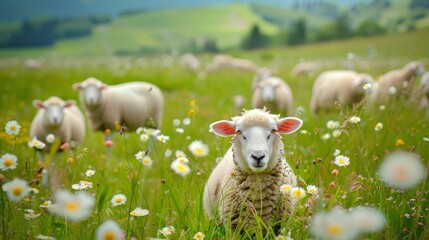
<point x="38" y="104"/>
<point x="223" y="128"/>
<point x="77" y="86"/>
<point x="104" y="86"/>
<point x="69" y="103"/>
<point x="288" y="125"/>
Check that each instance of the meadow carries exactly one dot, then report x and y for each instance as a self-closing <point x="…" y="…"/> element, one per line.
<point x="175" y="200"/>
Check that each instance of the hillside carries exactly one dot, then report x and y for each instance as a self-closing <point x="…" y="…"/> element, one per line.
<point x="164" y="29"/>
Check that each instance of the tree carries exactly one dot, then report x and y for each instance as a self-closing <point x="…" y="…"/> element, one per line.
<point x="298" y="33"/>
<point x="255" y="39"/>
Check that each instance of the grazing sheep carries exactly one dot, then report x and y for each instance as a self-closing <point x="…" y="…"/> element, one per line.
<point x="274" y="94"/>
<point x="424" y="91"/>
<point x="58" y="117"/>
<point x="133" y="104"/>
<point x="247" y="181"/>
<point x="261" y="74"/>
<point x="227" y="62"/>
<point x="305" y="69"/>
<point x="342" y="86"/>
<point x="402" y="80"/>
<point x="190" y="62"/>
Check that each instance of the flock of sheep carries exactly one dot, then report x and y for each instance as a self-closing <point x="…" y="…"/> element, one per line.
<point x="247" y="181"/>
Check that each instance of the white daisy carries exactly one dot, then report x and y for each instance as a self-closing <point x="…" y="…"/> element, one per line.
<point x="144" y="137"/>
<point x="74" y="207"/>
<point x="50" y="138"/>
<point x="139" y="212"/>
<point x="342" y="161"/>
<point x="180" y="130"/>
<point x="333" y="225"/>
<point x="367" y="219"/>
<point x="109" y="230"/>
<point x="46" y="204"/>
<point x="199" y="236"/>
<point x="336" y="133"/>
<point x="326" y="136"/>
<point x="312" y="189"/>
<point x="378" y="126"/>
<point x="180" y="154"/>
<point x="354" y="119"/>
<point x="337" y="152"/>
<point x="285" y="188"/>
<point x="16" y="189"/>
<point x="29" y="214"/>
<point x="199" y="149"/>
<point x="40" y="236"/>
<point x="140" y="155"/>
<point x="12" y="128"/>
<point x="297" y="193"/>
<point x="90" y="172"/>
<point x="167" y="231"/>
<point x="167" y="152"/>
<point x="180" y="168"/>
<point x="332" y="124"/>
<point x="163" y="138"/>
<point x="147" y="161"/>
<point x="152" y="132"/>
<point x="176" y="122"/>
<point x="8" y="161"/>
<point x="118" y="199"/>
<point x="35" y="143"/>
<point x="186" y="121"/>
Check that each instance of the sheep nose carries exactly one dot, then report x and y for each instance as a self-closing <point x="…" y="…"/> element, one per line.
<point x="258" y="156"/>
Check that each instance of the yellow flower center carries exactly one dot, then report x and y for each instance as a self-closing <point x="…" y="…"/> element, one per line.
<point x="8" y="162"/>
<point x="199" y="150"/>
<point x="147" y="161"/>
<point x="46" y="204"/>
<point x="109" y="235"/>
<point x="335" y="229"/>
<point x="401" y="173"/>
<point x="71" y="207"/>
<point x="341" y="161"/>
<point x="12" y="127"/>
<point x="181" y="168"/>
<point x="17" y="190"/>
<point x="118" y="199"/>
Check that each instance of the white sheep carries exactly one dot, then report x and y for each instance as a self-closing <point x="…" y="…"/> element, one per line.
<point x="305" y="69"/>
<point x="424" y="92"/>
<point x="190" y="62"/>
<point x="247" y="181"/>
<point x="58" y="117"/>
<point x="133" y="104"/>
<point x="228" y="62"/>
<point x="342" y="86"/>
<point x="402" y="80"/>
<point x="274" y="94"/>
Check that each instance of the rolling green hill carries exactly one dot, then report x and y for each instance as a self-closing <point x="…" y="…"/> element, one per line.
<point x="167" y="29"/>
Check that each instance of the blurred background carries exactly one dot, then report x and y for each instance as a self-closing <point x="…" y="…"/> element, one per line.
<point x="139" y="28"/>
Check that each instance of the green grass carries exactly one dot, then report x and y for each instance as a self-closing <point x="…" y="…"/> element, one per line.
<point x="177" y="201"/>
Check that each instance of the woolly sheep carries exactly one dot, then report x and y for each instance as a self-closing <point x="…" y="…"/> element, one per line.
<point x="274" y="94"/>
<point x="58" y="117"/>
<point x="402" y="80"/>
<point x="190" y="62"/>
<point x="261" y="74"/>
<point x="305" y="68"/>
<point x="133" y="104"/>
<point x="227" y="62"/>
<point x="247" y="180"/>
<point x="342" y="86"/>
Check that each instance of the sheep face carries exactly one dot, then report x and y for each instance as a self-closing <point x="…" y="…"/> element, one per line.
<point x="256" y="141"/>
<point x="54" y="112"/>
<point x="361" y="80"/>
<point x="91" y="92"/>
<point x="416" y="67"/>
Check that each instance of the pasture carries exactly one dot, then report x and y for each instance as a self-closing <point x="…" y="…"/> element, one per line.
<point x="174" y="200"/>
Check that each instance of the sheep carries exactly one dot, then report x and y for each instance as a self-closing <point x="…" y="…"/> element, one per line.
<point x="402" y="80"/>
<point x="246" y="182"/>
<point x="424" y="93"/>
<point x="227" y="62"/>
<point x="305" y="69"/>
<point x="132" y="104"/>
<point x="261" y="74"/>
<point x="190" y="62"/>
<point x="274" y="94"/>
<point x="342" y="86"/>
<point x="58" y="117"/>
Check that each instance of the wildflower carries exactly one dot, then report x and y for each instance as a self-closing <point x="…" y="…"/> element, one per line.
<point x="139" y="130"/>
<point x="144" y="137"/>
<point x="392" y="90"/>
<point x="50" y="138"/>
<point x="34" y="190"/>
<point x="108" y="143"/>
<point x="335" y="172"/>
<point x="140" y="155"/>
<point x="8" y="161"/>
<point x="199" y="149"/>
<point x="191" y="112"/>
<point x="35" y="143"/>
<point x="147" y="161"/>
<point x="199" y="236"/>
<point x="109" y="230"/>
<point x="342" y="161"/>
<point x="180" y="130"/>
<point x="354" y="119"/>
<point x="332" y="184"/>
<point x="70" y="160"/>
<point x="118" y="199"/>
<point x="180" y="168"/>
<point x="167" y="152"/>
<point x="312" y="189"/>
<point x="151" y="131"/>
<point x="303" y="132"/>
<point x="378" y="126"/>
<point x="367" y="219"/>
<point x="163" y="138"/>
<point x="16" y="189"/>
<point x="336" y="133"/>
<point x="12" y="128"/>
<point x="65" y="146"/>
<point x="46" y="204"/>
<point x="186" y="121"/>
<point x="297" y="193"/>
<point x="326" y="136"/>
<point x="166" y="231"/>
<point x="40" y="236"/>
<point x="192" y="103"/>
<point x="285" y="188"/>
<point x="74" y="207"/>
<point x="337" y="152"/>
<point x="29" y="214"/>
<point x="332" y="124"/>
<point x="82" y="185"/>
<point x="180" y="154"/>
<point x="139" y="212"/>
<point x="401" y="170"/>
<point x="176" y="122"/>
<point x="90" y="172"/>
<point x="183" y="160"/>
<point x="367" y="87"/>
<point x="426" y="139"/>
<point x="382" y="107"/>
<point x="399" y="142"/>
<point x="334" y="225"/>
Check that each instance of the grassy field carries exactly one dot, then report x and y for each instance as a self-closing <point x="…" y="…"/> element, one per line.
<point x="173" y="200"/>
